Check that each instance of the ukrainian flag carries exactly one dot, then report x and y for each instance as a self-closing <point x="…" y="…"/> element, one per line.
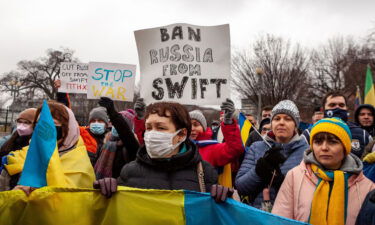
<point x="42" y="165"/>
<point x="61" y="206"/>
<point x="245" y="127"/>
<point x="369" y="88"/>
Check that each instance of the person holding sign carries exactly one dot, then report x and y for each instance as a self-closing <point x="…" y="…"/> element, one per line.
<point x="217" y="154"/>
<point x="328" y="186"/>
<point x="168" y="160"/>
<point x="120" y="145"/>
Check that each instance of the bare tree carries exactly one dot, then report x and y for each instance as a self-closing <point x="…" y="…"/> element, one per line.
<point x="330" y="63"/>
<point x="37" y="75"/>
<point x="285" y="71"/>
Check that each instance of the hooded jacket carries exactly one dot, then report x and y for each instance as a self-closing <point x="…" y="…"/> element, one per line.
<point x="370" y="129"/>
<point x="247" y="180"/>
<point x="221" y="154"/>
<point x="297" y="191"/>
<point x="177" y="172"/>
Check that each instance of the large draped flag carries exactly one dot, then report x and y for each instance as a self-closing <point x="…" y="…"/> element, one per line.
<point x="42" y="165"/>
<point x="61" y="206"/>
<point x="369" y="88"/>
<point x="245" y="127"/>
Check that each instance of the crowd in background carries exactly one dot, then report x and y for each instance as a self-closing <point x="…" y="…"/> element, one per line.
<point x="321" y="175"/>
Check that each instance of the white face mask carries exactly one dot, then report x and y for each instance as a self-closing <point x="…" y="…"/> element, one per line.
<point x="159" y="144"/>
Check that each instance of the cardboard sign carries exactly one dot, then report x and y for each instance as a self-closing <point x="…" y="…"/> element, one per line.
<point x="112" y="80"/>
<point x="73" y="77"/>
<point x="184" y="63"/>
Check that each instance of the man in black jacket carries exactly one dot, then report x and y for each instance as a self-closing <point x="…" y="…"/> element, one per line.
<point x="364" y="117"/>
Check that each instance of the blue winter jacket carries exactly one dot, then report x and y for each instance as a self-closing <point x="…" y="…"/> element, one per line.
<point x="360" y="138"/>
<point x="249" y="183"/>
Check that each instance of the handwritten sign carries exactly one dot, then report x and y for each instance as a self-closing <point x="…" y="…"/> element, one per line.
<point x="184" y="63"/>
<point x="73" y="77"/>
<point x="112" y="80"/>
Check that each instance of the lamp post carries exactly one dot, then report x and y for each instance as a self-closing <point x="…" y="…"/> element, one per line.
<point x="15" y="85"/>
<point x="259" y="72"/>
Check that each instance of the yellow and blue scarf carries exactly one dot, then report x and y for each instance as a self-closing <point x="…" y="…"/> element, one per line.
<point x="329" y="204"/>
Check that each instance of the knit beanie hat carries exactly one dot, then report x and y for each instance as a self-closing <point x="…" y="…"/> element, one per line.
<point x="198" y="115"/>
<point x="99" y="113"/>
<point x="128" y="118"/>
<point x="336" y="127"/>
<point x="28" y="114"/>
<point x="286" y="107"/>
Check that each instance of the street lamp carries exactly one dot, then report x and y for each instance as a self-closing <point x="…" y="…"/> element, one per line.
<point x="259" y="71"/>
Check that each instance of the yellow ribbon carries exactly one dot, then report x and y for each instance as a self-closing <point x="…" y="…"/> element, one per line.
<point x="328" y="209"/>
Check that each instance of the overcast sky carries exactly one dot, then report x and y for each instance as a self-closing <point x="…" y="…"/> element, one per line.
<point x="101" y="30"/>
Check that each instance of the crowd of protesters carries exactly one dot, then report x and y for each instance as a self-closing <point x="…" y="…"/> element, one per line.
<point x="321" y="175"/>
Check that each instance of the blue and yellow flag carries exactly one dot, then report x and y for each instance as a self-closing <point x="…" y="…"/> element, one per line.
<point x="61" y="206"/>
<point x="245" y="127"/>
<point x="42" y="165"/>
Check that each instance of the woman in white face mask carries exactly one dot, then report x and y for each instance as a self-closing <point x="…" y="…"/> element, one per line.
<point x="21" y="136"/>
<point x="168" y="160"/>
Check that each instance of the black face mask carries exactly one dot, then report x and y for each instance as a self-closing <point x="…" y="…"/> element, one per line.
<point x="59" y="132"/>
<point x="339" y="113"/>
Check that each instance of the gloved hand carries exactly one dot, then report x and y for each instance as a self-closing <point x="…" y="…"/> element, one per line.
<point x="229" y="109"/>
<point x="220" y="193"/>
<point x="140" y="108"/>
<point x="274" y="156"/>
<point x="107" y="186"/>
<point x="270" y="163"/>
<point x="264" y="170"/>
<point x="108" y="104"/>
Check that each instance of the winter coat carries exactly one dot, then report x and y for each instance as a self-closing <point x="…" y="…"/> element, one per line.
<point x="14" y="142"/>
<point x="249" y="183"/>
<point x="139" y="129"/>
<point x="370" y="129"/>
<point x="221" y="154"/>
<point x="253" y="137"/>
<point x="360" y="138"/>
<point x="297" y="191"/>
<point x="177" y="172"/>
<point x="366" y="215"/>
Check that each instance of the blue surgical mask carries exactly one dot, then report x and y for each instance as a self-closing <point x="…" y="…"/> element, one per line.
<point x="114" y="132"/>
<point x="97" y="128"/>
<point x="339" y="113"/>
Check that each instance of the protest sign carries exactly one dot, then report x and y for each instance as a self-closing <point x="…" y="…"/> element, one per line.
<point x="184" y="63"/>
<point x="73" y="77"/>
<point x="112" y="80"/>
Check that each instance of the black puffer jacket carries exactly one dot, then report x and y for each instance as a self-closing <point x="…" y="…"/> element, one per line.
<point x="178" y="172"/>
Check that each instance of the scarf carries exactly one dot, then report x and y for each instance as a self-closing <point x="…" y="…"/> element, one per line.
<point x="330" y="201"/>
<point x="103" y="167"/>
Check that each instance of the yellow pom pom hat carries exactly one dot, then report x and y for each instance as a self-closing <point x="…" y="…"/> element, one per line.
<point x="336" y="127"/>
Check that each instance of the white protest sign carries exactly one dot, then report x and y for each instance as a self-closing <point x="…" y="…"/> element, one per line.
<point x="73" y="77"/>
<point x="184" y="63"/>
<point x="112" y="80"/>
